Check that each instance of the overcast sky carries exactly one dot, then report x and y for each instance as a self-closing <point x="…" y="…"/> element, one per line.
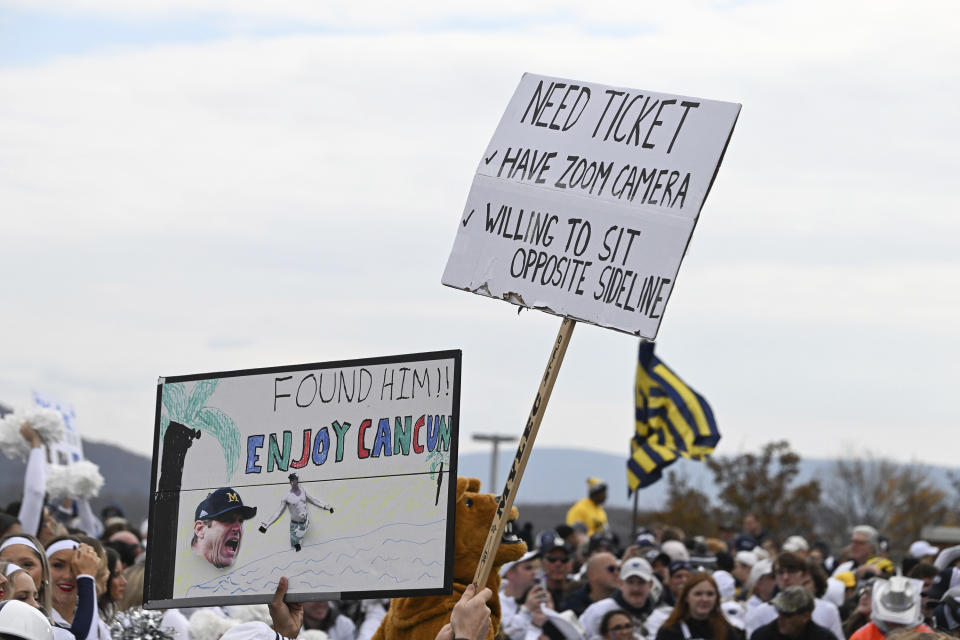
<point x="187" y="186"/>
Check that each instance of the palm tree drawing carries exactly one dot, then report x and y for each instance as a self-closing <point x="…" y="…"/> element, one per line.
<point x="436" y="458"/>
<point x="192" y="411"/>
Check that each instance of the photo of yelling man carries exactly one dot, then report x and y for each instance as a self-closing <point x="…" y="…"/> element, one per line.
<point x="218" y="529"/>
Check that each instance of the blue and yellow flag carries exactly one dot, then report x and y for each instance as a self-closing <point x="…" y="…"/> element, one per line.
<point x="672" y="420"/>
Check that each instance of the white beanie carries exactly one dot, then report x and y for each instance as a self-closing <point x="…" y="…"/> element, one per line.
<point x="726" y="585"/>
<point x="676" y="550"/>
<point x="836" y="592"/>
<point x="250" y="631"/>
<point x="762" y="568"/>
<point x="206" y="624"/>
<point x="796" y="543"/>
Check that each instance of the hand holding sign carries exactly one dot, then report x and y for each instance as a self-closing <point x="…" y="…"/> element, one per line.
<point x="287" y="618"/>
<point x="355" y="437"/>
<point x="470" y="618"/>
<point x="588" y="196"/>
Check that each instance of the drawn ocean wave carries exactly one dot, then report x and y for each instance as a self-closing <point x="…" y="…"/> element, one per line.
<point x="426" y="564"/>
<point x="385" y="559"/>
<point x="340" y="566"/>
<point x="354" y="554"/>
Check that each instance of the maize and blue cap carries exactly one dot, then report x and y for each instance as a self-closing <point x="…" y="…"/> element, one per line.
<point x="221" y="502"/>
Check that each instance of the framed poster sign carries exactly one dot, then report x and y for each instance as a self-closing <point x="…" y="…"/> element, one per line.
<point x="340" y="476"/>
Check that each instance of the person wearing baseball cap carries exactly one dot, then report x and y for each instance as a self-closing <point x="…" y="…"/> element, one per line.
<point x="556" y="558"/>
<point x="743" y="563"/>
<point x="218" y="527"/>
<point x="680" y="570"/>
<point x="792" y="570"/>
<point x="761" y="585"/>
<point x="633" y="596"/>
<point x="922" y="551"/>
<point x="295" y="501"/>
<point x="794" y="607"/>
<point x="946" y="617"/>
<point x="522" y="596"/>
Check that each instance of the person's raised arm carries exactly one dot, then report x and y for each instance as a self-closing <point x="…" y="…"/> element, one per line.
<point x="34" y="482"/>
<point x="276" y="516"/>
<point x="88" y="521"/>
<point x="85" y="563"/>
<point x="317" y="503"/>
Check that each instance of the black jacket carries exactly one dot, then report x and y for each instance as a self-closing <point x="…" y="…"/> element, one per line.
<point x="812" y="631"/>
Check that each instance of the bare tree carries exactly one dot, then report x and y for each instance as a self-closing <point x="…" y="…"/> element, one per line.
<point x="765" y="484"/>
<point x="897" y="499"/>
<point x="687" y="507"/>
<point x="954" y="478"/>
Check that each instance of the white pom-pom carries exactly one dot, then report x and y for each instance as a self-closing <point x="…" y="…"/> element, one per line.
<point x="48" y="424"/>
<point x="11" y="442"/>
<point x="87" y="480"/>
<point x="58" y="481"/>
<point x="78" y="480"/>
<point x="313" y="634"/>
<point x="251" y="613"/>
<point x="207" y="625"/>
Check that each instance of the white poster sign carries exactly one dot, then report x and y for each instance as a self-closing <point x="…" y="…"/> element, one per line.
<point x="70" y="448"/>
<point x="340" y="476"/>
<point x="585" y="200"/>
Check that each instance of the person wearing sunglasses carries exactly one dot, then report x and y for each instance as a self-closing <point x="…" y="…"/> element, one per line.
<point x="633" y="596"/>
<point x="603" y="580"/>
<point x="556" y="559"/>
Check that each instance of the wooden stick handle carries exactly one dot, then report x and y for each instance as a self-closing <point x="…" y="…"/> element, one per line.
<point x="523" y="453"/>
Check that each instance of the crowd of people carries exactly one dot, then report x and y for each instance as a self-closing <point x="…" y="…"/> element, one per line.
<point x="68" y="574"/>
<point x="577" y="583"/>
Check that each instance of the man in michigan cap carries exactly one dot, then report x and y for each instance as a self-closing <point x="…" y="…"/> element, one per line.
<point x="218" y="527"/>
<point x="295" y="501"/>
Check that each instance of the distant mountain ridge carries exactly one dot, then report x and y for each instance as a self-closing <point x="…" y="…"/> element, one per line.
<point x="126" y="479"/>
<point x="554" y="476"/>
<point x="559" y="476"/>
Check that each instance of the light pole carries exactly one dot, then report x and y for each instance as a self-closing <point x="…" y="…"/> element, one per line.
<point x="496" y="439"/>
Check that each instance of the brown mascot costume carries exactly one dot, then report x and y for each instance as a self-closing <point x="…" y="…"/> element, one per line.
<point x="422" y="618"/>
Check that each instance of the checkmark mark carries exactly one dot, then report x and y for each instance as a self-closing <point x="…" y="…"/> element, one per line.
<point x="467" y="219"/>
<point x="492" y="155"/>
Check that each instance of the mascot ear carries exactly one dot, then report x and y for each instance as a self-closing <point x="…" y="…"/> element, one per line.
<point x="466" y="484"/>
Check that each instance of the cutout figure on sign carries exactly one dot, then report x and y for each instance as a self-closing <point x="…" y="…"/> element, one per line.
<point x="218" y="529"/>
<point x="296" y="501"/>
